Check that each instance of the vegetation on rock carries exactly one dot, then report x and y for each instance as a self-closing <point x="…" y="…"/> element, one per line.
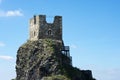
<point x="56" y="77"/>
<point x="40" y="59"/>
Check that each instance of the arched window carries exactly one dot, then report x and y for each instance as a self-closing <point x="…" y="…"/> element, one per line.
<point x="49" y="32"/>
<point x="34" y="33"/>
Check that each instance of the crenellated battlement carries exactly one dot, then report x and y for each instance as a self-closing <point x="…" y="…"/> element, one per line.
<point x="40" y="29"/>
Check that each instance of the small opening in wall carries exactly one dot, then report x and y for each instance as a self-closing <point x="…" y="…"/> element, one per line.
<point x="34" y="34"/>
<point x="34" y="19"/>
<point x="49" y="32"/>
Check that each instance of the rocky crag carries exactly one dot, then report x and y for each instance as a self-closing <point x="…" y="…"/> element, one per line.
<point x="44" y="56"/>
<point x="43" y="60"/>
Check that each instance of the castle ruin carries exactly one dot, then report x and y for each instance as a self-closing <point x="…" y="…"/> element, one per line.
<point x="44" y="56"/>
<point x="40" y="29"/>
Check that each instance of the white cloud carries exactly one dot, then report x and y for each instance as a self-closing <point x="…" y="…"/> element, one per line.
<point x="6" y="57"/>
<point x="107" y="74"/>
<point x="2" y="44"/>
<point x="11" y="13"/>
<point x="14" y="13"/>
<point x="73" y="46"/>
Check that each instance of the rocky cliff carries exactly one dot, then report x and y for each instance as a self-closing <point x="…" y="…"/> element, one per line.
<point x="43" y="60"/>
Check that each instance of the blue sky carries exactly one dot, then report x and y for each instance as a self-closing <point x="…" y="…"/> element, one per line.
<point x="90" y="27"/>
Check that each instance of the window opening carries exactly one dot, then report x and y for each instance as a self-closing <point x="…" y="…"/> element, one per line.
<point x="49" y="32"/>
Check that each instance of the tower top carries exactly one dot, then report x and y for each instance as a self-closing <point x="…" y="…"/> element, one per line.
<point x="40" y="29"/>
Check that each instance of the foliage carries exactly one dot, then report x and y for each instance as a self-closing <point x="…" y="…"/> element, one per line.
<point x="49" y="45"/>
<point x="71" y="72"/>
<point x="56" y="77"/>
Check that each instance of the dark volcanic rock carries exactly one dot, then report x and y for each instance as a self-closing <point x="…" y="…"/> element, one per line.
<point x="42" y="59"/>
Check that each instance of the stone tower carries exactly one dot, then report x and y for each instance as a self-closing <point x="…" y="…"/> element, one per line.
<point x="40" y="29"/>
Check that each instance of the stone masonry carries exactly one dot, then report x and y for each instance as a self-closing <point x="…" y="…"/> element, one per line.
<point x="40" y="29"/>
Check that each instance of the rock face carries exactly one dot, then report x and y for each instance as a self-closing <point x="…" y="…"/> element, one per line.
<point x="42" y="59"/>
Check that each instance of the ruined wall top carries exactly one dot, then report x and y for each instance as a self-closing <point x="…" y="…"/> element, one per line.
<point x="41" y="29"/>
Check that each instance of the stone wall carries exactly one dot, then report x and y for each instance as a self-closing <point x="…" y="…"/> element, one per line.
<point x="40" y="29"/>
